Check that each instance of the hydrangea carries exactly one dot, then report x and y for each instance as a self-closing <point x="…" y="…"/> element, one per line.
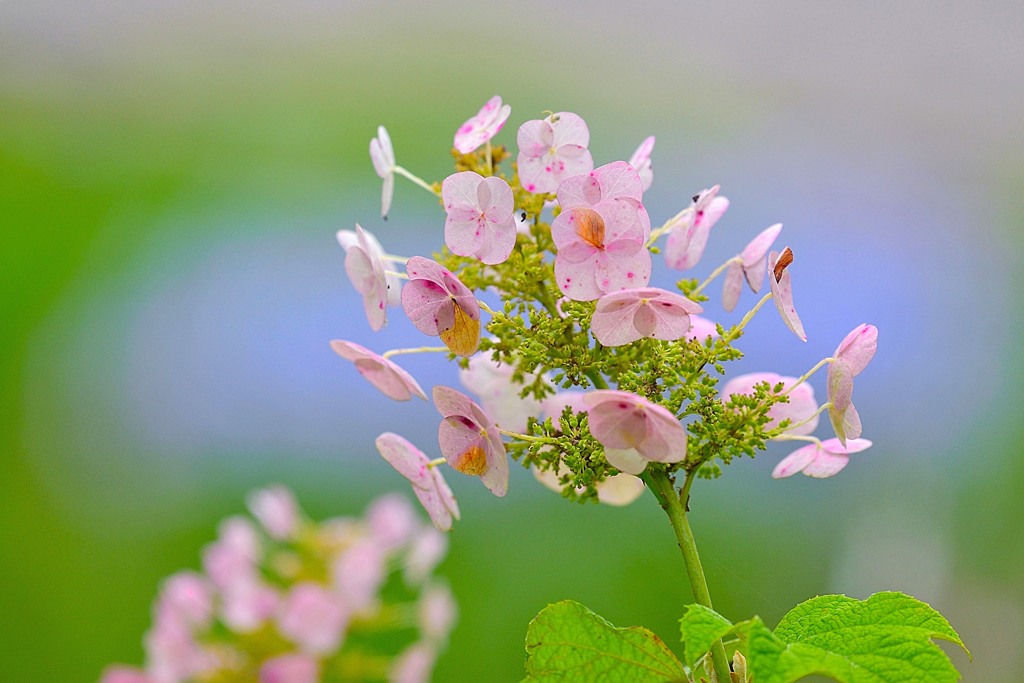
<point x="427" y="481"/>
<point x="851" y="357"/>
<point x="312" y="613"/>
<point x="482" y="127"/>
<point x="390" y="378"/>
<point x="600" y="233"/>
<point x="819" y="459"/>
<point x="551" y="150"/>
<point x="633" y="430"/>
<point x="439" y="304"/>
<point x="382" y="154"/>
<point x="688" y="236"/>
<point x="480" y="221"/>
<point x="470" y="441"/>
<point x="625" y="316"/>
<point x="750" y="264"/>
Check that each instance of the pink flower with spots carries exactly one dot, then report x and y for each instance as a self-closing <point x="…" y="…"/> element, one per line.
<point x="382" y="154"/>
<point x="469" y="440"/>
<point x="439" y="304"/>
<point x="480" y="221"/>
<point x="600" y="233"/>
<point x="367" y="268"/>
<point x="819" y="460"/>
<point x="641" y="161"/>
<point x="427" y="481"/>
<point x="625" y="316"/>
<point x="802" y="404"/>
<point x="293" y="668"/>
<point x="391" y="379"/>
<point x="850" y="359"/>
<point x="482" y="127"/>
<point x="750" y="264"/>
<point x="313" y="618"/>
<point x="551" y="150"/>
<point x="782" y="290"/>
<point x="633" y="430"/>
<point x="689" y="234"/>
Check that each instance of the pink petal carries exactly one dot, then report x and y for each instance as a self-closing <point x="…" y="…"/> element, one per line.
<point x="733" y="286"/>
<point x="825" y="465"/>
<point x="626" y="460"/>
<point x="621" y="420"/>
<point x="466" y="434"/>
<point x="701" y="328"/>
<point x="410" y="461"/>
<point x="359" y="572"/>
<point x="845" y="423"/>
<point x="641" y="161"/>
<point x="387" y="194"/>
<point x="534" y="138"/>
<point x="460" y="189"/>
<point x="438" y="501"/>
<point x="579" y="191"/>
<point x="570" y="129"/>
<point x="795" y="461"/>
<point x="413" y="665"/>
<point x="852" y="446"/>
<point x="619" y="180"/>
<point x="801" y="406"/>
<point x="858" y="348"/>
<point x="553" y="406"/>
<point x="753" y="256"/>
<point x="782" y="295"/>
<point x="392" y="380"/>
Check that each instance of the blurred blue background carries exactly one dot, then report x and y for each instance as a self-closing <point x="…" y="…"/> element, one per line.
<point x="171" y="178"/>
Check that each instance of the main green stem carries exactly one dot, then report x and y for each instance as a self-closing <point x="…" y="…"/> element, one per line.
<point x="660" y="484"/>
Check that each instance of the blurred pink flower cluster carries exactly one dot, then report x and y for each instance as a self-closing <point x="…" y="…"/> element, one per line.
<point x="279" y="599"/>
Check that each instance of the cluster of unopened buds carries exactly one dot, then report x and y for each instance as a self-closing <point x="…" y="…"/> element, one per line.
<point x="586" y="373"/>
<point x="291" y="601"/>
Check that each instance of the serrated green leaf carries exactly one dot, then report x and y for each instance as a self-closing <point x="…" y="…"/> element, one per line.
<point x="567" y="642"/>
<point x="884" y="639"/>
<point x="700" y="627"/>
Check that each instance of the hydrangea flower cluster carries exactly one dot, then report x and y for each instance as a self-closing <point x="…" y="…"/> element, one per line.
<point x="585" y="370"/>
<point x="286" y="600"/>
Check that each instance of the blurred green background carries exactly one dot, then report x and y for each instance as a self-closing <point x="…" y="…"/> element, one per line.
<point x="171" y="178"/>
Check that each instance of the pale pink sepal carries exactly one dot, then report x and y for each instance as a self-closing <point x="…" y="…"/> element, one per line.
<point x="413" y="664"/>
<point x="439" y="304"/>
<point x="551" y="150"/>
<point x="634" y="430"/>
<point x="782" y="295"/>
<point x="631" y="314"/>
<point x="500" y="397"/>
<point x="480" y="221"/>
<point x="392" y="380"/>
<point x="427" y="482"/>
<point x="753" y="256"/>
<point x="482" y="127"/>
<point x="382" y="154"/>
<point x="276" y="510"/>
<point x="802" y="404"/>
<point x="850" y="358"/>
<point x="701" y="328"/>
<point x="688" y="237"/>
<point x="469" y="440"/>
<point x="819" y="460"/>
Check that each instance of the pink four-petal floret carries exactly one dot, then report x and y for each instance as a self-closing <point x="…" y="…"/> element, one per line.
<point x="469" y="440"/>
<point x="750" y="264"/>
<point x="633" y="430"/>
<point x="851" y="357"/>
<point x="391" y="379"/>
<point x="482" y="127"/>
<point x="689" y="234"/>
<point x="631" y="314"/>
<point x="427" y="482"/>
<point x="819" y="459"/>
<point x="480" y="221"/>
<point x="551" y="150"/>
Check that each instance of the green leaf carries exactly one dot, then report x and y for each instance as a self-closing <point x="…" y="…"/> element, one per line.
<point x="567" y="642"/>
<point x="700" y="627"/>
<point x="884" y="639"/>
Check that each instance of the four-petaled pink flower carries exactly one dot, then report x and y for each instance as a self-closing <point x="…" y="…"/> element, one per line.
<point x="469" y="440"/>
<point x="367" y="269"/>
<point x="482" y="127"/>
<point x="641" y="161"/>
<point x="802" y="404"/>
<point x="819" y="459"/>
<point x="782" y="290"/>
<point x="382" y="154"/>
<point x="633" y="430"/>
<point x="850" y="358"/>
<point x="689" y="234"/>
<point x="600" y="233"/>
<point x="750" y="264"/>
<point x="480" y="221"/>
<point x="551" y="150"/>
<point x="427" y="481"/>
<point x="625" y="316"/>
<point x="392" y="380"/>
<point x="439" y="304"/>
